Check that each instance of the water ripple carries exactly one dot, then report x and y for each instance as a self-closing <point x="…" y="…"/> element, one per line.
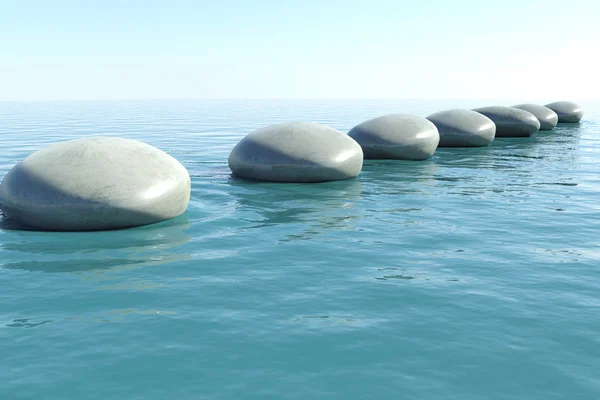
<point x="470" y="275"/>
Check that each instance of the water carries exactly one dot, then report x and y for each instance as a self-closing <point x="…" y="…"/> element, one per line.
<point x="472" y="275"/>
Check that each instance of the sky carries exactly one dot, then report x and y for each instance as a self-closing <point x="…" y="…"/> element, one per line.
<point x="180" y="49"/>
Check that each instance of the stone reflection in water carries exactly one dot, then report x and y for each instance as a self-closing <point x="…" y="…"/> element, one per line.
<point x="398" y="177"/>
<point x="507" y="162"/>
<point x="97" y="252"/>
<point x="315" y="208"/>
<point x="556" y="145"/>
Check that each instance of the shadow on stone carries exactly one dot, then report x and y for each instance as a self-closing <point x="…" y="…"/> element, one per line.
<point x="297" y="152"/>
<point x="67" y="207"/>
<point x="93" y="184"/>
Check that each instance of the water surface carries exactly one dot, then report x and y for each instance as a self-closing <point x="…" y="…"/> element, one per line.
<point x="472" y="275"/>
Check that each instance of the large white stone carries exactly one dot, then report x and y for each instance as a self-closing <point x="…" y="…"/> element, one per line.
<point x="296" y="152"/>
<point x="548" y="118"/>
<point x="567" y="111"/>
<point x="397" y="136"/>
<point x="463" y="128"/>
<point x="95" y="183"/>
<point x="511" y="122"/>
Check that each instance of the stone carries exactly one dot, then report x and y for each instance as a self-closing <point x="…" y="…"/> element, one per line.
<point x="296" y="152"/>
<point x="95" y="183"/>
<point x="397" y="136"/>
<point x="463" y="128"/>
<point x="548" y="118"/>
<point x="511" y="122"/>
<point x="567" y="111"/>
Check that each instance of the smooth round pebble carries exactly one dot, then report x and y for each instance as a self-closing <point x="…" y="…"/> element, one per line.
<point x="296" y="152"/>
<point x="511" y="122"/>
<point x="568" y="112"/>
<point x="463" y="128"/>
<point x="95" y="183"/>
<point x="548" y="118"/>
<point x="397" y="136"/>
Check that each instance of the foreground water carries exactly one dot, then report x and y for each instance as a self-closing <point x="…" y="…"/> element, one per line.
<point x="472" y="275"/>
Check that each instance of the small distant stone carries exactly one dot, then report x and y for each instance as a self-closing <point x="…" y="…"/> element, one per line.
<point x="296" y="152"/>
<point x="511" y="122"/>
<point x="397" y="136"/>
<point x="463" y="128"/>
<point x="95" y="183"/>
<point x="568" y="112"/>
<point x="548" y="118"/>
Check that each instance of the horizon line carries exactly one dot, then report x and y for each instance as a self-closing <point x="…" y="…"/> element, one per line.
<point x="286" y="99"/>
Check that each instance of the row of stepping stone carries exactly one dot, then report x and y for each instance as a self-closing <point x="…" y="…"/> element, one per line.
<point x="101" y="183"/>
<point x="310" y="152"/>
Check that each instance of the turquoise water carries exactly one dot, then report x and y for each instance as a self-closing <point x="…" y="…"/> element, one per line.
<point x="472" y="275"/>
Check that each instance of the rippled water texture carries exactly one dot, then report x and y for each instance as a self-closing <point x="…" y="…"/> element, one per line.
<point x="472" y="275"/>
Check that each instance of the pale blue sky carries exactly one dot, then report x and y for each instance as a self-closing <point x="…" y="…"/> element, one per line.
<point x="136" y="49"/>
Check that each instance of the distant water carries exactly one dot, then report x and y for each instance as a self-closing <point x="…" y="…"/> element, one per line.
<point x="472" y="275"/>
